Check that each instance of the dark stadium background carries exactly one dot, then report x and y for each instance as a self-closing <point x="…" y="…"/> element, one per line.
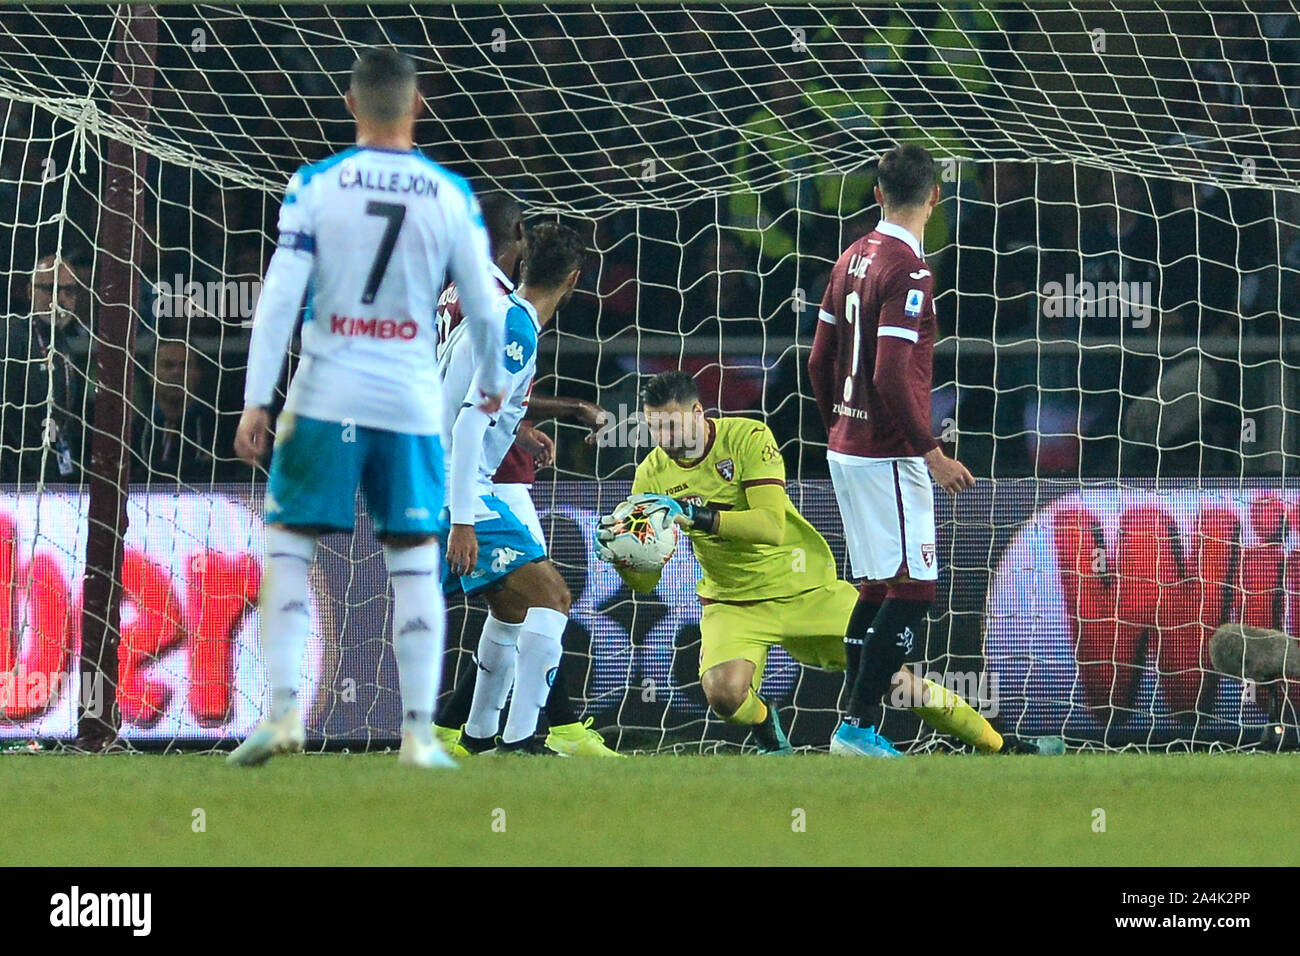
<point x="1223" y="273"/>
<point x="680" y="280"/>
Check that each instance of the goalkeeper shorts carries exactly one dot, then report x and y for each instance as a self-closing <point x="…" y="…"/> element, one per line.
<point x="317" y="466"/>
<point x="810" y="626"/>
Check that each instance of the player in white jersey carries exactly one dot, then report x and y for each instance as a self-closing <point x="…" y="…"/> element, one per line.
<point x="490" y="551"/>
<point x="367" y="235"/>
<point x="512" y="483"/>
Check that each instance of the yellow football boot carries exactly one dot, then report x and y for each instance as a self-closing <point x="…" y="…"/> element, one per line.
<point x="449" y="737"/>
<point x="579" y="740"/>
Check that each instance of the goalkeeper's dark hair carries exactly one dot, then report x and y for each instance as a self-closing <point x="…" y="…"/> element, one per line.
<point x="554" y="251"/>
<point x="382" y="82"/>
<point x="670" y="388"/>
<point x="906" y="175"/>
<point x="502" y="215"/>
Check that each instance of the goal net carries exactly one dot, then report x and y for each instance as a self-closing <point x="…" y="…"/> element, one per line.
<point x="1115" y="252"/>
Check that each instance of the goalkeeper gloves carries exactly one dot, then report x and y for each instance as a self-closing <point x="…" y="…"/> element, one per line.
<point x="696" y="517"/>
<point x="604" y="535"/>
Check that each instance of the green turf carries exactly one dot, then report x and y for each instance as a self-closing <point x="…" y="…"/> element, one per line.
<point x="338" y="809"/>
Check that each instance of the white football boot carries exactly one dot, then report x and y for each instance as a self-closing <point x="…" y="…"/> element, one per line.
<point x="430" y="755"/>
<point x="270" y="737"/>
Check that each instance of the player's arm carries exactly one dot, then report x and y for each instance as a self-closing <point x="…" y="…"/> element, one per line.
<point x="542" y="407"/>
<point x="896" y="336"/>
<point x="536" y="443"/>
<point x="587" y="414"/>
<point x="761" y="472"/>
<point x="821" y="363"/>
<point x="287" y="278"/>
<point x="467" y="434"/>
<point x="763" y="522"/>
<point x="515" y="363"/>
<point x="470" y="263"/>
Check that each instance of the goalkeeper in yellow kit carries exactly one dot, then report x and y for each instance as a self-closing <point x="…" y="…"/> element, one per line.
<point x="769" y="576"/>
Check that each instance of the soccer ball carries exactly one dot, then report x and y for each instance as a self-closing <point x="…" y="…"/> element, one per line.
<point x="645" y="536"/>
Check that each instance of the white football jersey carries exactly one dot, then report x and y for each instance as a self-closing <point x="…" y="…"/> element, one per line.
<point x="518" y="362"/>
<point x="369" y="234"/>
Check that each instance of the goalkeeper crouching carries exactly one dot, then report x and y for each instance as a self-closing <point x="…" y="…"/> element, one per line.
<point x="769" y="576"/>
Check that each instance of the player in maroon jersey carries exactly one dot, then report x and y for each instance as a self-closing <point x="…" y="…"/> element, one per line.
<point x="465" y="709"/>
<point x="871" y="370"/>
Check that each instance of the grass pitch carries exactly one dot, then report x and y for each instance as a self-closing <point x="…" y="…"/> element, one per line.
<point x="1198" y="809"/>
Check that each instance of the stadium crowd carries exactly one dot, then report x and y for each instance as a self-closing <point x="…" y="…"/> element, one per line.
<point x="737" y="272"/>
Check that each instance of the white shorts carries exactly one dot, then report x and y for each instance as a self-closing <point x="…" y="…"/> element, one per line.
<point x="520" y="500"/>
<point x="887" y="505"/>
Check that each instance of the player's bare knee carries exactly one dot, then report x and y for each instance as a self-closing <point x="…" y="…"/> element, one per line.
<point x="507" y="606"/>
<point x="560" y="597"/>
<point x="533" y="585"/>
<point x="724" y="693"/>
<point x="553" y="593"/>
<point x="725" y="701"/>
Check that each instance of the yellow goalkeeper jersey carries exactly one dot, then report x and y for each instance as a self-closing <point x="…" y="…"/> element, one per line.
<point x="741" y="453"/>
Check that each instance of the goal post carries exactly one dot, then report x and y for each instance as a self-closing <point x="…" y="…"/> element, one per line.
<point x="1115" y="251"/>
<point x="121" y="239"/>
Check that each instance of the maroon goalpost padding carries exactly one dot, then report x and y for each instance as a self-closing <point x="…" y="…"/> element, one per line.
<point x="135" y="38"/>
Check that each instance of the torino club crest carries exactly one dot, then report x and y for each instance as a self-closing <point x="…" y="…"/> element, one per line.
<point x="727" y="469"/>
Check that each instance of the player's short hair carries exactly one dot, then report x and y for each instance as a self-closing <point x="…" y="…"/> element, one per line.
<point x="383" y="80"/>
<point x="554" y="250"/>
<point x="502" y="215"/>
<point x="905" y="175"/>
<point x="75" y="256"/>
<point x="670" y="388"/>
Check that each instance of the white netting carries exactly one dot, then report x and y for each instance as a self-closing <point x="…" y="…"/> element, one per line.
<point x="1116" y="254"/>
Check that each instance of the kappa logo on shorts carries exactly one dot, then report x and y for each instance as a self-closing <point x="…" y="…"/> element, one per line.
<point x="726" y="468"/>
<point x="927" y="555"/>
<point x="502" y="558"/>
<point x="418" y="513"/>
